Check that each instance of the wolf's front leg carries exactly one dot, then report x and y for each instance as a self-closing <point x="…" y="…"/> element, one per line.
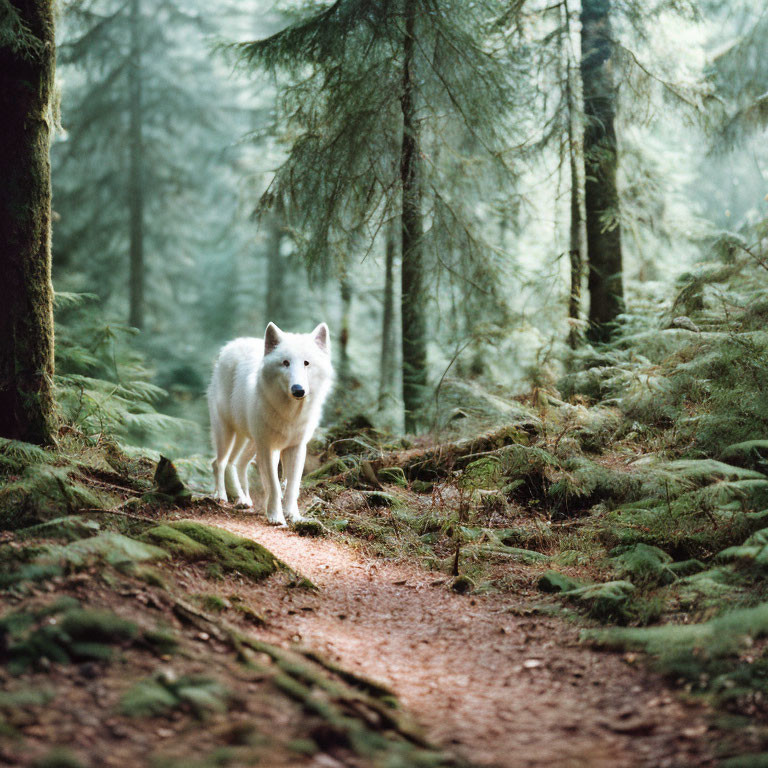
<point x="267" y="461"/>
<point x="293" y="466"/>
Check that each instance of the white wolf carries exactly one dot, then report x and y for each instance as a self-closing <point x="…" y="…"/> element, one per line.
<point x="265" y="400"/>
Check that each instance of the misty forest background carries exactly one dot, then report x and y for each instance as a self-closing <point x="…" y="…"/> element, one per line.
<point x="538" y="232"/>
<point x="200" y="192"/>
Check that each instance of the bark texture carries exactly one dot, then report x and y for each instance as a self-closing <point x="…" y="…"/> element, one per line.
<point x="412" y="309"/>
<point x="345" y="373"/>
<point x="387" y="358"/>
<point x="27" y="408"/>
<point x="600" y="193"/>
<point x="136" y="168"/>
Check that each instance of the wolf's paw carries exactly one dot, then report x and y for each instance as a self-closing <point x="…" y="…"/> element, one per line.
<point x="277" y="520"/>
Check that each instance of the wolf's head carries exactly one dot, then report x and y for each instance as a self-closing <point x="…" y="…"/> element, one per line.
<point x="299" y="363"/>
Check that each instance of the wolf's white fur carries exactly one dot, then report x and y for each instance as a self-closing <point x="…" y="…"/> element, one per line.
<point x="253" y="412"/>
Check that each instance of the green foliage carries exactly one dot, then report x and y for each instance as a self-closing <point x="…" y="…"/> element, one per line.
<point x="58" y="758"/>
<point x="164" y="693"/>
<point x="70" y="528"/>
<point x="643" y="564"/>
<point x="706" y="655"/>
<point x="42" y="492"/>
<point x="195" y="541"/>
<point x="61" y="632"/>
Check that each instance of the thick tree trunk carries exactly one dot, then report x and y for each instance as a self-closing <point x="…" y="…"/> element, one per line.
<point x="275" y="299"/>
<point x="600" y="156"/>
<point x="388" y="360"/>
<point x="135" y="181"/>
<point x="412" y="310"/>
<point x="27" y="407"/>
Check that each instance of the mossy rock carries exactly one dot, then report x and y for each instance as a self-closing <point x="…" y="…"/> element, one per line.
<point x="643" y="564"/>
<point x="378" y="499"/>
<point x="175" y="541"/>
<point x="113" y="548"/>
<point x="462" y="584"/>
<point x="422" y="486"/>
<point x="309" y="527"/>
<point x="165" y="692"/>
<point x="225" y="549"/>
<point x="606" y="602"/>
<point x="552" y="581"/>
<point x="70" y="528"/>
<point x="485" y="473"/>
<point x="517" y="554"/>
<point x="392" y="476"/>
<point x="687" y="567"/>
<point x="75" y="634"/>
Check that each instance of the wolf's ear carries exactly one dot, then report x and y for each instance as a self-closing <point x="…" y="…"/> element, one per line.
<point x="322" y="338"/>
<point x="272" y="337"/>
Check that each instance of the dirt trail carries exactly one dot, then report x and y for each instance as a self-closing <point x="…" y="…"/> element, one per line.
<point x="495" y="688"/>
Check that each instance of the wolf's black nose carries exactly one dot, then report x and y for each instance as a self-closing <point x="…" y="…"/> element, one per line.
<point x="297" y="391"/>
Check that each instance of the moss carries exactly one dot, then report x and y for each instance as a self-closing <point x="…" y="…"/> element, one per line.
<point x="58" y="758"/>
<point x="752" y="454"/>
<point x="392" y="476"/>
<point x="214" y="603"/>
<point x="378" y="499"/>
<point x="195" y="541"/>
<point x="329" y="469"/>
<point x="176" y="542"/>
<point x="606" y="602"/>
<point x="552" y="581"/>
<point x="462" y="584"/>
<point x="70" y="528"/>
<point x="308" y="527"/>
<point x="643" y="564"/>
<point x="162" y="641"/>
<point x="165" y="692"/>
<point x="75" y="634"/>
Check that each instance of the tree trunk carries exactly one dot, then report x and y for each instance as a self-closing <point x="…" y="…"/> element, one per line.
<point x="575" y="250"/>
<point x="135" y="181"/>
<point x="387" y="359"/>
<point x="275" y="299"/>
<point x="346" y="310"/>
<point x="412" y="310"/>
<point x="600" y="194"/>
<point x="27" y="407"/>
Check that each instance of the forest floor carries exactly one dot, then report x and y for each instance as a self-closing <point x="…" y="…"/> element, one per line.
<point x="488" y="682"/>
<point x="142" y="626"/>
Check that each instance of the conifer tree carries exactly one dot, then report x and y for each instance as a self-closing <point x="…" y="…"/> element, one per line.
<point x="371" y="85"/>
<point x="606" y="291"/>
<point x="27" y="62"/>
<point x="142" y="156"/>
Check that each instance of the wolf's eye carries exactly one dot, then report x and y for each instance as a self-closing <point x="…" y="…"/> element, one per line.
<point x="286" y="363"/>
<point x="306" y="362"/>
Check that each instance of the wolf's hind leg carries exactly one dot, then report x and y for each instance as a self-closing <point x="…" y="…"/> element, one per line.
<point x="241" y="465"/>
<point x="293" y="465"/>
<point x="224" y="441"/>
